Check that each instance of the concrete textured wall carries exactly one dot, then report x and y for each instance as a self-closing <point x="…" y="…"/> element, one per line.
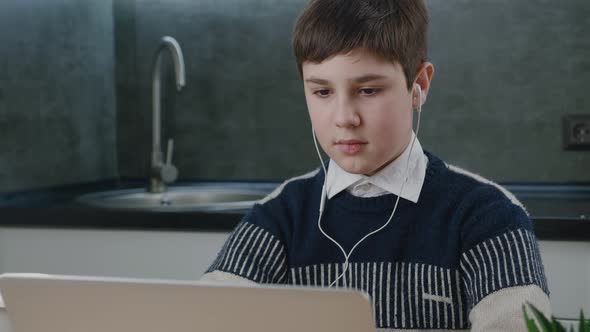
<point x="506" y="71"/>
<point x="57" y="97"/>
<point x="75" y="89"/>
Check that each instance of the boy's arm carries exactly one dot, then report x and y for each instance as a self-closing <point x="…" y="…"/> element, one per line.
<point x="252" y="254"/>
<point x="504" y="271"/>
<point x="255" y="252"/>
<point x="502" y="310"/>
<point x="226" y="278"/>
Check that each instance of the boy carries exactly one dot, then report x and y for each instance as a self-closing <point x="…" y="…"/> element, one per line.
<point x="434" y="246"/>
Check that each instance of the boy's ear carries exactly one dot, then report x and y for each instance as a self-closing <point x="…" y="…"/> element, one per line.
<point x="424" y="76"/>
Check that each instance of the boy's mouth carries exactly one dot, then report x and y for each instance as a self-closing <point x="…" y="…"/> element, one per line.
<point x="350" y="147"/>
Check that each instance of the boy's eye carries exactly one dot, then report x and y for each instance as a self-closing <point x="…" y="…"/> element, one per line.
<point x="369" y="91"/>
<point x="322" y="93"/>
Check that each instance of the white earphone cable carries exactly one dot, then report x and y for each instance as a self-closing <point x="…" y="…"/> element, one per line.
<point x="324" y="194"/>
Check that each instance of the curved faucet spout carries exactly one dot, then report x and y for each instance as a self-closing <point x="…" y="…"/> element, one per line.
<point x="163" y="173"/>
<point x="172" y="45"/>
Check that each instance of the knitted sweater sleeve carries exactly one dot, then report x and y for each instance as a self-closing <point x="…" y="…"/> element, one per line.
<point x="255" y="251"/>
<point x="501" y="266"/>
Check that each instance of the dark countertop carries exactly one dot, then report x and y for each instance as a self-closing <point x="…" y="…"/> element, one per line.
<point x="558" y="211"/>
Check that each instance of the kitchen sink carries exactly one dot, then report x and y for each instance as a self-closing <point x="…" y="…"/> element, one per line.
<point x="208" y="197"/>
<point x="542" y="201"/>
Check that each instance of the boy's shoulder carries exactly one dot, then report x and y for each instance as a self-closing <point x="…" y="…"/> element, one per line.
<point x="484" y="187"/>
<point x="464" y="185"/>
<point x="483" y="208"/>
<point x="296" y="187"/>
<point x="275" y="212"/>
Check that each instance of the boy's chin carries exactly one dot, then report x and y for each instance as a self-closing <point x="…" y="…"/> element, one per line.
<point x="356" y="166"/>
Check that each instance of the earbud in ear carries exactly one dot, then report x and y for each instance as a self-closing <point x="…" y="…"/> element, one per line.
<point x="419" y="101"/>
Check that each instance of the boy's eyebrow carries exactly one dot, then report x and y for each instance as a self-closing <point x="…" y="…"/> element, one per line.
<point x="369" y="77"/>
<point x="360" y="79"/>
<point x="317" y="81"/>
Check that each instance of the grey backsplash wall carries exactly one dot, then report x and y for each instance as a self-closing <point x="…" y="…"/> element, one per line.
<point x="241" y="115"/>
<point x="57" y="100"/>
<point x="506" y="71"/>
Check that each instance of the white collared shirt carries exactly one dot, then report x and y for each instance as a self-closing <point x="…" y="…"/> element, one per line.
<point x="388" y="180"/>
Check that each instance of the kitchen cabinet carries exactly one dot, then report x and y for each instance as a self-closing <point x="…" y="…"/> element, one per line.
<point x="184" y="255"/>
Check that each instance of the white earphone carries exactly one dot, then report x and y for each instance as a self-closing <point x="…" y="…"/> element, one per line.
<point x="419" y="89"/>
<point x="324" y="197"/>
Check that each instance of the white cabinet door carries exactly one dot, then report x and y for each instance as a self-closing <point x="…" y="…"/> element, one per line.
<point x="186" y="255"/>
<point x="4" y="323"/>
<point x="139" y="254"/>
<point x="567" y="265"/>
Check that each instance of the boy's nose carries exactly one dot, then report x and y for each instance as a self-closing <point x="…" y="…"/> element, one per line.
<point x="347" y="115"/>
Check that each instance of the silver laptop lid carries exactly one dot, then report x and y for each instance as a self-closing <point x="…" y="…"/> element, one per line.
<point x="52" y="303"/>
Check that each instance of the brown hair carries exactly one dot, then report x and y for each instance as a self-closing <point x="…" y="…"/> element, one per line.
<point x="393" y="29"/>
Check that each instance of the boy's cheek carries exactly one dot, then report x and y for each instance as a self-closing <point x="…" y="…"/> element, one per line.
<point x="319" y="117"/>
<point x="312" y="106"/>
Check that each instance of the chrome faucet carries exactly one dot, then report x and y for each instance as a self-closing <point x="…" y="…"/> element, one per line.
<point x="162" y="172"/>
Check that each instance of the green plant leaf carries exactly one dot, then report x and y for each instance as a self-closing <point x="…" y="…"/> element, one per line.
<point x="583" y="323"/>
<point x="530" y="323"/>
<point x="557" y="327"/>
<point x="553" y="325"/>
<point x="546" y="325"/>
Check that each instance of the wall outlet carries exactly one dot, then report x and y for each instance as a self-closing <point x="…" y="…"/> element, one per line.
<point x="576" y="132"/>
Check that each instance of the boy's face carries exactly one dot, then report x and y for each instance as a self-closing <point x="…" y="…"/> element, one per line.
<point x="360" y="109"/>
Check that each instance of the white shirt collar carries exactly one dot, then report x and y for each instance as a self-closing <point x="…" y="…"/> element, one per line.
<point x="387" y="180"/>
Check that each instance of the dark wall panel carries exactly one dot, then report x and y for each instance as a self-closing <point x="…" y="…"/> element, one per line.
<point x="57" y="100"/>
<point x="506" y="71"/>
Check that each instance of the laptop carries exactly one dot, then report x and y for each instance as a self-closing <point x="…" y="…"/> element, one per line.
<point x="56" y="303"/>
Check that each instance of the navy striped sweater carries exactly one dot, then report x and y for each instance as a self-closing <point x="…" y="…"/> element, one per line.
<point x="465" y="239"/>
